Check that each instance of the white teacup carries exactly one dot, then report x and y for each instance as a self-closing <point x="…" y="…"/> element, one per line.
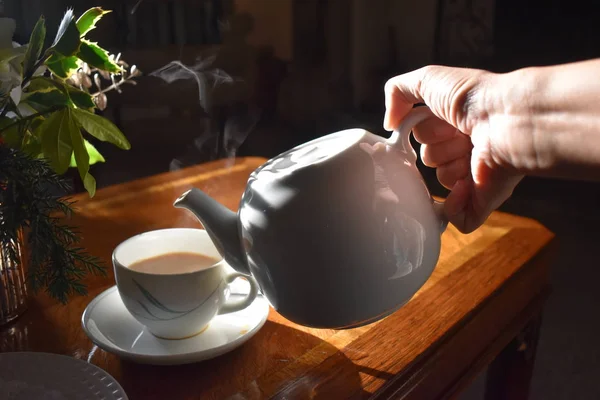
<point x="178" y="305"/>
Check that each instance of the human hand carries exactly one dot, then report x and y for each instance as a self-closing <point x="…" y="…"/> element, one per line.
<point x="478" y="140"/>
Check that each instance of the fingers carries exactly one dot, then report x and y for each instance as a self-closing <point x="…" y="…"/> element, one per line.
<point x="455" y="205"/>
<point x="400" y="95"/>
<point x="448" y="174"/>
<point x="444" y="147"/>
<point x="433" y="130"/>
<point x="437" y="154"/>
<point x="461" y="207"/>
<point x="449" y="92"/>
<point x="470" y="204"/>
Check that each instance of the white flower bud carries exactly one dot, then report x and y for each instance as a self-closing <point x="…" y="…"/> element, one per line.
<point x="86" y="82"/>
<point x="75" y="80"/>
<point x="101" y="101"/>
<point x="97" y="81"/>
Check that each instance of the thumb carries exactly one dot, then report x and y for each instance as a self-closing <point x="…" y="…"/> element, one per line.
<point x="452" y="94"/>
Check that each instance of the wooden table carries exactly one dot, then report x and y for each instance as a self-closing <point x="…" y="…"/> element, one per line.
<point x="482" y="305"/>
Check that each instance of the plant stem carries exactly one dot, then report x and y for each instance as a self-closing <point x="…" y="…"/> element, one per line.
<point x="32" y="116"/>
<point x="40" y="62"/>
<point x="111" y="87"/>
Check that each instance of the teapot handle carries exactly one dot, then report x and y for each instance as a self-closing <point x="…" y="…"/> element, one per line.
<point x="400" y="140"/>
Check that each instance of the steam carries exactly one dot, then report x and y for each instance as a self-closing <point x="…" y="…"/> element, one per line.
<point x="135" y="7"/>
<point x="218" y="138"/>
<point x="204" y="78"/>
<point x="221" y="134"/>
<point x="237" y="129"/>
<point x="212" y="143"/>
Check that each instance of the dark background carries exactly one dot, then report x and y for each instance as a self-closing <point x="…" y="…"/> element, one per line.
<point x="305" y="68"/>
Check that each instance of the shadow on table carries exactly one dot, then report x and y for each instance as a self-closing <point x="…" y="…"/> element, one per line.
<point x="32" y="331"/>
<point x="278" y="362"/>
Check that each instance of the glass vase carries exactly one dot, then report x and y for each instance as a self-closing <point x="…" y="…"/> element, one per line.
<point x="13" y="285"/>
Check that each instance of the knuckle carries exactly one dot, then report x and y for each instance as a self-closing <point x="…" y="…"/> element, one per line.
<point x="389" y="86"/>
<point x="467" y="100"/>
<point x="428" y="70"/>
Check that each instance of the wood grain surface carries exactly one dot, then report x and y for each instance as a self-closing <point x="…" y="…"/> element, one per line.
<point x="486" y="288"/>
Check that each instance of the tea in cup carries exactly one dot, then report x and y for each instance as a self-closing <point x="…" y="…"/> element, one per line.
<point x="174" y="281"/>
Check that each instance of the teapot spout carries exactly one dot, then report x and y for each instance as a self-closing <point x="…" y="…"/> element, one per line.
<point x="220" y="223"/>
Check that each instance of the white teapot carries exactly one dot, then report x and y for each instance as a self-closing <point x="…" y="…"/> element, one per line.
<point x="339" y="232"/>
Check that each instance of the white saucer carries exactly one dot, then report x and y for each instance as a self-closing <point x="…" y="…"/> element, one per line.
<point x="30" y="375"/>
<point x="112" y="328"/>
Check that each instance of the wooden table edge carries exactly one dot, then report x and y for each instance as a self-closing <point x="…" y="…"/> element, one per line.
<point x="498" y="217"/>
<point x="401" y="385"/>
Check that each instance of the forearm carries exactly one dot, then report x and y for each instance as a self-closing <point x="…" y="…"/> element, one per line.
<point x="563" y="107"/>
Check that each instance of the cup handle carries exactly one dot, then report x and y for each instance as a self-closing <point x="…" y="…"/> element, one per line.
<point x="233" y="306"/>
<point x="400" y="140"/>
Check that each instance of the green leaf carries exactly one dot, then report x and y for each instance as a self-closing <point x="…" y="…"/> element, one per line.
<point x="32" y="143"/>
<point x="55" y="132"/>
<point x="33" y="148"/>
<point x="82" y="157"/>
<point x="96" y="56"/>
<point x="67" y="39"/>
<point x="5" y="121"/>
<point x="80" y="154"/>
<point x="80" y="98"/>
<point x="45" y="100"/>
<point x="43" y="93"/>
<point x="36" y="123"/>
<point x="12" y="135"/>
<point x="42" y="84"/>
<point x="95" y="156"/>
<point x="63" y="67"/>
<point x="101" y="128"/>
<point x="48" y="92"/>
<point x="34" y="49"/>
<point x="89" y="182"/>
<point x="88" y="20"/>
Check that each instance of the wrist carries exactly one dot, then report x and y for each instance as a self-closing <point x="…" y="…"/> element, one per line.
<point x="522" y="92"/>
<point x="556" y="117"/>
